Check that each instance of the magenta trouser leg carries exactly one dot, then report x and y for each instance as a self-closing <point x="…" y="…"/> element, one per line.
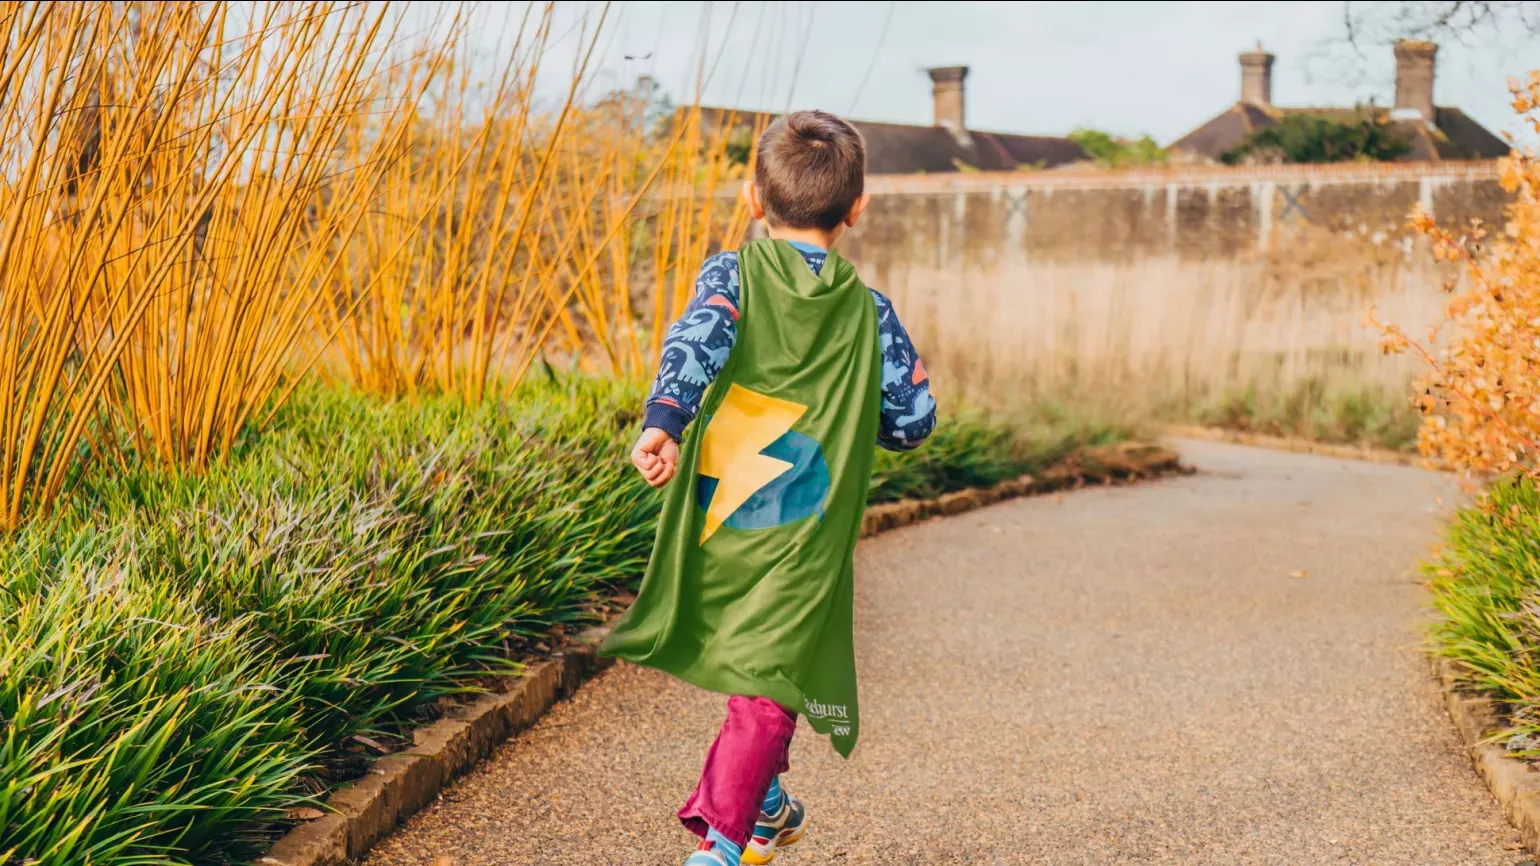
<point x="750" y="750"/>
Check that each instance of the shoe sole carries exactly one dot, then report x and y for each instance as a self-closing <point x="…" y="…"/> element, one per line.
<point x="751" y="858"/>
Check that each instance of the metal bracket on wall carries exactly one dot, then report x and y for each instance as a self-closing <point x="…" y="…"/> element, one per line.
<point x="1291" y="203"/>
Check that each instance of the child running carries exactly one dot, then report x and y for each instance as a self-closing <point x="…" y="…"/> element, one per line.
<point x="795" y="368"/>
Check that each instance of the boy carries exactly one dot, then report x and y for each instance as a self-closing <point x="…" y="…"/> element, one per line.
<point x="796" y="367"/>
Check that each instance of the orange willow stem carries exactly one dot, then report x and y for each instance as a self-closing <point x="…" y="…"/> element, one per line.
<point x="200" y="207"/>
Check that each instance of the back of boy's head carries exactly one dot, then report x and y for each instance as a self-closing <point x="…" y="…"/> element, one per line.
<point x="811" y="170"/>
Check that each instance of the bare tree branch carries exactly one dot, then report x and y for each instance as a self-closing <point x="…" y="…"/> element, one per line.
<point x="1370" y="25"/>
<point x="1464" y="21"/>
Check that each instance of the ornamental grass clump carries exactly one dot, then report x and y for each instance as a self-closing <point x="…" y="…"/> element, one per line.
<point x="391" y="553"/>
<point x="181" y="653"/>
<point x="1486" y="586"/>
<point x="185" y="656"/>
<point x="133" y="728"/>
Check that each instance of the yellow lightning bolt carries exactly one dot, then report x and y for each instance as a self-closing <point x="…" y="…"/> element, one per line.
<point x="742" y="426"/>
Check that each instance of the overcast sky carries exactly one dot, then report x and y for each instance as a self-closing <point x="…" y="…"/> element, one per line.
<point x="1128" y="67"/>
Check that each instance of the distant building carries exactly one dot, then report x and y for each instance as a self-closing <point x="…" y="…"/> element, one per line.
<point x="1433" y="132"/>
<point x="947" y="144"/>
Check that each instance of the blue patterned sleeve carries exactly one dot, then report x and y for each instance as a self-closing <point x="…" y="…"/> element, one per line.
<point x="696" y="347"/>
<point x="908" y="410"/>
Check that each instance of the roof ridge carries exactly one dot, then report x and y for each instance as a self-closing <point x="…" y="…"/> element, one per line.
<point x="994" y="141"/>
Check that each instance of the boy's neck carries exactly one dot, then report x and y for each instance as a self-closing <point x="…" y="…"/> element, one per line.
<point x="817" y="237"/>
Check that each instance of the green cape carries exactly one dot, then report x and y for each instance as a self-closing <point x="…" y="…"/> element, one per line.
<point x="751" y="582"/>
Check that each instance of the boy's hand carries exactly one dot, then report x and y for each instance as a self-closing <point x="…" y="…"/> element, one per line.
<point x="656" y="456"/>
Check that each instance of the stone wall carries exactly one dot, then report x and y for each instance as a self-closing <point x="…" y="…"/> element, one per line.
<point x="1202" y="214"/>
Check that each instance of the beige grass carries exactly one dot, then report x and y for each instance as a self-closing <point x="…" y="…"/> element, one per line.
<point x="1160" y="337"/>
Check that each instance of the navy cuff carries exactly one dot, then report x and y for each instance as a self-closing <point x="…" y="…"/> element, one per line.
<point x="670" y="419"/>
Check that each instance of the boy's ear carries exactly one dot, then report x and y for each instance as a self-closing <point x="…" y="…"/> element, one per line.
<point x="751" y="198"/>
<point x="856" y="210"/>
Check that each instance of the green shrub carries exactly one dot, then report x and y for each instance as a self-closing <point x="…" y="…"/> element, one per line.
<point x="1321" y="412"/>
<point x="183" y="657"/>
<point x="974" y="449"/>
<point x="1486" y="585"/>
<point x="134" y="728"/>
<point x="1110" y="151"/>
<point x="1307" y="138"/>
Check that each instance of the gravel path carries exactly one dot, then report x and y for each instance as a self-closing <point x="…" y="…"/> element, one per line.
<point x="1221" y="669"/>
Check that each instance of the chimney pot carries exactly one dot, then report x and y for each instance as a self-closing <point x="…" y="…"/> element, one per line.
<point x="1414" y="78"/>
<point x="1257" y="77"/>
<point x="947" y="94"/>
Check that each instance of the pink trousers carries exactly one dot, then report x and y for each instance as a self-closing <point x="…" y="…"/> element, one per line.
<point x="750" y="751"/>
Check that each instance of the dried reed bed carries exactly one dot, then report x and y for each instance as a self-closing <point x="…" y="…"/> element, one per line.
<point x="1163" y="337"/>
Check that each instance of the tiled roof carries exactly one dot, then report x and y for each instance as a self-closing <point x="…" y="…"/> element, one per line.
<point x="1470" y="135"/>
<point x="1456" y="135"/>
<point x="898" y="148"/>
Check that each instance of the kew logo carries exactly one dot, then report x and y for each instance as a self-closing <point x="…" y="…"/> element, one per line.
<point x="815" y="710"/>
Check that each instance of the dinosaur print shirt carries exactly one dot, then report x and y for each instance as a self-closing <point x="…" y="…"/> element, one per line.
<point x="697" y="346"/>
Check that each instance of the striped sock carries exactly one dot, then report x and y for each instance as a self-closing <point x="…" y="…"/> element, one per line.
<point x="774" y="798"/>
<point x="724" y="846"/>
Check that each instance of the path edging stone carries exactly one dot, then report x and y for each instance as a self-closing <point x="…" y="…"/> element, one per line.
<point x="1382" y="456"/>
<point x="1512" y="782"/>
<point x="400" y="784"/>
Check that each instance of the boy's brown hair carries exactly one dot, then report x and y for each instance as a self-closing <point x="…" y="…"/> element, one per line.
<point x="811" y="170"/>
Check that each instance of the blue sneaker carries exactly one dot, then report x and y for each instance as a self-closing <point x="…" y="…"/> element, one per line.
<point x="783" y="828"/>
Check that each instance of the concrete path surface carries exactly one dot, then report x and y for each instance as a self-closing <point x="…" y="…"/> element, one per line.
<point x="1221" y="669"/>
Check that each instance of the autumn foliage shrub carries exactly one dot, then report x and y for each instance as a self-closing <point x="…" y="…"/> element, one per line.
<point x="1481" y="395"/>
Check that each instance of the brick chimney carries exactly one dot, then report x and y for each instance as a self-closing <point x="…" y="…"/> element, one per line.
<point x="1414" y="78"/>
<point x="947" y="91"/>
<point x="1257" y="77"/>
